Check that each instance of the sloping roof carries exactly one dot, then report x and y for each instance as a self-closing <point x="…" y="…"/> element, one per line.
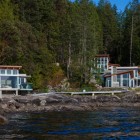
<point x="119" y="73"/>
<point x="10" y="67"/>
<point x="117" y="65"/>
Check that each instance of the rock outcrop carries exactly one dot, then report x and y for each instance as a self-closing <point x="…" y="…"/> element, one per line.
<point x="60" y="102"/>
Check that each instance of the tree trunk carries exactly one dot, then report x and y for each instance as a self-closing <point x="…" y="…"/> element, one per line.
<point x="69" y="60"/>
<point x="131" y="43"/>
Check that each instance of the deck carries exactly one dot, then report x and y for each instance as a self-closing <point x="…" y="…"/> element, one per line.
<point x="93" y="92"/>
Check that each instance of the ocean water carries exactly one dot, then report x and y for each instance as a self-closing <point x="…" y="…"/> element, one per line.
<point x="106" y="123"/>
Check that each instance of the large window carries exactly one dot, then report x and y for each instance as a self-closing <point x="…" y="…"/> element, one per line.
<point x="125" y="76"/>
<point x="2" y="71"/>
<point x="136" y="73"/>
<point x="8" y="82"/>
<point x="9" y="71"/>
<point x="125" y="83"/>
<point x="15" y="72"/>
<point x="108" y="82"/>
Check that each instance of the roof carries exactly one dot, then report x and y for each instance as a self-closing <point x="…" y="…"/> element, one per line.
<point x="102" y="55"/>
<point x="120" y="72"/>
<point x="117" y="65"/>
<point x="127" y="68"/>
<point x="24" y="75"/>
<point x="10" y="67"/>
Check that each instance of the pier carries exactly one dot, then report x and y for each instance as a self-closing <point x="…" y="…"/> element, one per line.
<point x="93" y="92"/>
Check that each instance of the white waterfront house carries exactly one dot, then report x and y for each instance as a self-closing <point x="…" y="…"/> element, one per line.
<point x="101" y="63"/>
<point x="12" y="80"/>
<point x="114" y="75"/>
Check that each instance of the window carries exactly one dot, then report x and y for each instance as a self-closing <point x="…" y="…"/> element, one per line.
<point x="8" y="82"/>
<point x="136" y="73"/>
<point x="125" y="83"/>
<point x="15" y="72"/>
<point x="8" y="71"/>
<point x="118" y="76"/>
<point x="125" y="76"/>
<point x="2" y="71"/>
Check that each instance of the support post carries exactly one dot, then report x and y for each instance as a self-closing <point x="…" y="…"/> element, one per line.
<point x="16" y="92"/>
<point x="93" y="96"/>
<point x="121" y="80"/>
<point x="112" y="93"/>
<point x="0" y="94"/>
<point x="129" y="80"/>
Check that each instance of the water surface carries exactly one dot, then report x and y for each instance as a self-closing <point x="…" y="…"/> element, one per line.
<point x="113" y="123"/>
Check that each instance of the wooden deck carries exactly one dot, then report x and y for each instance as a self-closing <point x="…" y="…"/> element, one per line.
<point x="93" y="92"/>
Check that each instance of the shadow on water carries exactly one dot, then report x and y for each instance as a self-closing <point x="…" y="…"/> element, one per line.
<point x="115" y="123"/>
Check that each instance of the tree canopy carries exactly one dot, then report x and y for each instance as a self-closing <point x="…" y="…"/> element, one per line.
<point x="37" y="34"/>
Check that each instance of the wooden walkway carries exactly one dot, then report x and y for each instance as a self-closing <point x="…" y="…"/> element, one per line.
<point x="93" y="92"/>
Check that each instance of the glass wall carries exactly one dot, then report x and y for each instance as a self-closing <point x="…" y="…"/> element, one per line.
<point x="126" y="79"/>
<point x="101" y="63"/>
<point x="108" y="82"/>
<point x="136" y="73"/>
<point x="23" y="84"/>
<point x="9" y="82"/>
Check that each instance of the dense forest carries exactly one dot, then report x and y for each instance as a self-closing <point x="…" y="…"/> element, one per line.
<point x="53" y="39"/>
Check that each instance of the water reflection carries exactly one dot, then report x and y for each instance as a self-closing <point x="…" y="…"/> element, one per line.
<point x="113" y="123"/>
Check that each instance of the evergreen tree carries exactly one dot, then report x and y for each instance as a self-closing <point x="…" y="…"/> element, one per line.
<point x="108" y="16"/>
<point x="131" y="34"/>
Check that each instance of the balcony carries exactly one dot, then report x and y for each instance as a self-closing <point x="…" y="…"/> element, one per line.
<point x="27" y="86"/>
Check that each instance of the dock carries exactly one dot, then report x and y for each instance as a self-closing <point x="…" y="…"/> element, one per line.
<point x="94" y="92"/>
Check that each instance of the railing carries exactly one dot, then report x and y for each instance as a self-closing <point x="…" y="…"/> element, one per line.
<point x="8" y="86"/>
<point x="26" y="86"/>
<point x="93" y="92"/>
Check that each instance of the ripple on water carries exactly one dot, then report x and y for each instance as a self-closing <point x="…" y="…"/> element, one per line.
<point x="116" y="123"/>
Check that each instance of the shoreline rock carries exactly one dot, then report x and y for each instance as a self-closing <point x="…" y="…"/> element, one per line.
<point x="60" y="102"/>
<point x="3" y="120"/>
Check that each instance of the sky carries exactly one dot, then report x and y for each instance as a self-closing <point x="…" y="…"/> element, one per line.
<point x="119" y="3"/>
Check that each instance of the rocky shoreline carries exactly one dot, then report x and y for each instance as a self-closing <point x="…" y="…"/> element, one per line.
<point x="59" y="102"/>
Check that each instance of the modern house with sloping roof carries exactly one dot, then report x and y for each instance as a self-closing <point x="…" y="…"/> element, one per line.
<point x="114" y="75"/>
<point x="12" y="80"/>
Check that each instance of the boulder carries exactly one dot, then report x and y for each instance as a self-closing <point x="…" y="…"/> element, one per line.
<point x="131" y="97"/>
<point x="43" y="102"/>
<point x="36" y="101"/>
<point x="3" y="120"/>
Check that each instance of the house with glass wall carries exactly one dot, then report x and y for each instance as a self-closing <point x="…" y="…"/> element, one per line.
<point x="101" y="63"/>
<point x="114" y="75"/>
<point x="12" y="80"/>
